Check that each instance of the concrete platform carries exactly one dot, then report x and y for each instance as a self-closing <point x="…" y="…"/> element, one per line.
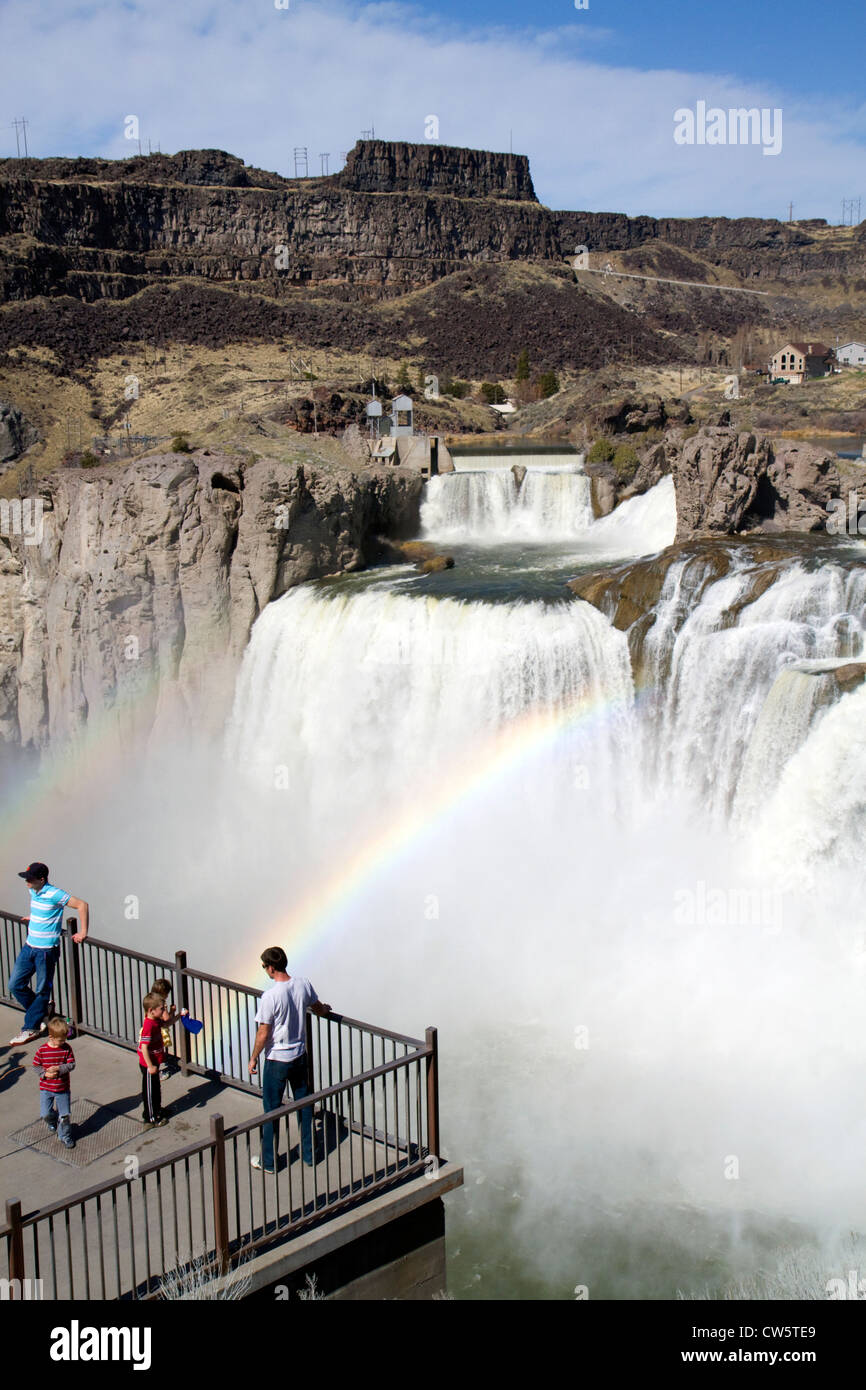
<point x="164" y="1221"/>
<point x="108" y="1076"/>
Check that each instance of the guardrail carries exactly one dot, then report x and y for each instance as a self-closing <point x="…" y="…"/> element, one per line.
<point x="374" y="1095"/>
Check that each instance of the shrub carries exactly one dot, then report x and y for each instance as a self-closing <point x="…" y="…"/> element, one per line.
<point x="180" y="445"/>
<point x="625" y="462"/>
<point x="492" y="393"/>
<point x="457" y="389"/>
<point x="548" y="384"/>
<point x="522" y="372"/>
<point x="88" y="460"/>
<point x="602" y="451"/>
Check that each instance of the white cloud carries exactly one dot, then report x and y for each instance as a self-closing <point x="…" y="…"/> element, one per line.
<point x="257" y="81"/>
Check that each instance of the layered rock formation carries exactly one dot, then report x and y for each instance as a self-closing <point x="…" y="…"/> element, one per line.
<point x="397" y="216"/>
<point x="754" y="248"/>
<point x="387" y="166"/>
<point x="137" y="604"/>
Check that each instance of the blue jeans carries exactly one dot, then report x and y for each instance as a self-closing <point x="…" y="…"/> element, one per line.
<point x="55" y="1104"/>
<point x="35" y="1006"/>
<point x="276" y="1076"/>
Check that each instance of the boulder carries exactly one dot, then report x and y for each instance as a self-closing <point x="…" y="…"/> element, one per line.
<point x="16" y="433"/>
<point x="730" y="482"/>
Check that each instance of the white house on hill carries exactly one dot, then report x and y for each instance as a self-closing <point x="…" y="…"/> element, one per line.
<point x="852" y="355"/>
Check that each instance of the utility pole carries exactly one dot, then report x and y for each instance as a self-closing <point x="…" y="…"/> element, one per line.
<point x="323" y="158"/>
<point x="23" y="124"/>
<point x="790" y="212"/>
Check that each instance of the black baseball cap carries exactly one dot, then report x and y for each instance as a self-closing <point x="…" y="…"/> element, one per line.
<point x="35" y="871"/>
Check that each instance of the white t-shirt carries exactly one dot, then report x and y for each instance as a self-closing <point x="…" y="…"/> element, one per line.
<point x="284" y="1006"/>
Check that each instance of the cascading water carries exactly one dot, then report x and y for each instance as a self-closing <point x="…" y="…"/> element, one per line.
<point x="502" y="815"/>
<point x="714" y="652"/>
<point x="491" y="506"/>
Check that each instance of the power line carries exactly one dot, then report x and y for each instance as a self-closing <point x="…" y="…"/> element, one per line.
<point x="323" y="160"/>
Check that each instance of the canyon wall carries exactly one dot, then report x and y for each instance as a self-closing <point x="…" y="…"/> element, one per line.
<point x="134" y="609"/>
<point x="397" y="216"/>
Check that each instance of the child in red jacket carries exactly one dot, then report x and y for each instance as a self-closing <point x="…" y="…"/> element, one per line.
<point x="55" y="1061"/>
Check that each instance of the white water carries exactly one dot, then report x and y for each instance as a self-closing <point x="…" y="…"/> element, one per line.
<point x="590" y="880"/>
<point x="714" y="657"/>
<point x="489" y="507"/>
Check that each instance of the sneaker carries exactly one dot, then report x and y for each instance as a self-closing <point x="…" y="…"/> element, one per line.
<point x="64" y="1134"/>
<point x="158" y="1122"/>
<point x="256" y="1162"/>
<point x="51" y="1122"/>
<point x="26" y="1035"/>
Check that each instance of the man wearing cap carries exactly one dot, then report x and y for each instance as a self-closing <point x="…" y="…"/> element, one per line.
<point x="41" y="949"/>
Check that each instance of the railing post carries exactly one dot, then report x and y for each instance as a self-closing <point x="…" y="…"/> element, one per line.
<point x="308" y="1049"/>
<point x="16" y="1241"/>
<point x="220" y="1192"/>
<point x="73" y="973"/>
<point x="182" y="995"/>
<point x="432" y="1038"/>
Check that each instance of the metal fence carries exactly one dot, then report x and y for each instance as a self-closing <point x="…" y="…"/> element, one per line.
<point x="375" y="1109"/>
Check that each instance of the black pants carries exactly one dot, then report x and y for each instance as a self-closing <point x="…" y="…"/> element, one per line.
<point x="151" y="1094"/>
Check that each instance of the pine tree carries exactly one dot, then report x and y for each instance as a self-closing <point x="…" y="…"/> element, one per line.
<point x="522" y="373"/>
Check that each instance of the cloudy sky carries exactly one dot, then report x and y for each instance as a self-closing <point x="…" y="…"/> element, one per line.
<point x="589" y="94"/>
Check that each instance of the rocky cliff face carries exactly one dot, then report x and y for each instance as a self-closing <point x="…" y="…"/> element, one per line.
<point x="754" y="248"/>
<point x="397" y="216"/>
<point x="136" y="606"/>
<point x="387" y="166"/>
<point x="728" y="482"/>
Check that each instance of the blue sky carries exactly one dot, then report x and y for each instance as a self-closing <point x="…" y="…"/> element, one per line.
<point x="590" y="95"/>
<point x="815" y="46"/>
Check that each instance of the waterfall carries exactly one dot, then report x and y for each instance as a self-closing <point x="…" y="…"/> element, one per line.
<point x="498" y="816"/>
<point x="490" y="506"/>
<point x="714" y="652"/>
<point x="373" y="698"/>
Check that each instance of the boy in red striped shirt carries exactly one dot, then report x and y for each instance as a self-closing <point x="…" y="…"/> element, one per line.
<point x="55" y="1061"/>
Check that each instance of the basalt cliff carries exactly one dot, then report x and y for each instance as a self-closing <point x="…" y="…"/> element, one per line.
<point x="131" y="608"/>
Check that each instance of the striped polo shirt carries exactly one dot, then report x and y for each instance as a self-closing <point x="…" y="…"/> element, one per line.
<point x="46" y="917"/>
<point x="53" y="1054"/>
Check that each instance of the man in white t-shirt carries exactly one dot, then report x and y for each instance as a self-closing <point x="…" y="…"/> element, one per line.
<point x="281" y="1035"/>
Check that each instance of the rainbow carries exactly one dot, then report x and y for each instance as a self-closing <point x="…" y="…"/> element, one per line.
<point x="509" y="748"/>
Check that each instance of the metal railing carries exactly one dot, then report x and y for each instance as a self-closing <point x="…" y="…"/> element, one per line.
<point x="375" y="1108"/>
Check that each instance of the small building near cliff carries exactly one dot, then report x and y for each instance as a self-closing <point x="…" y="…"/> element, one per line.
<point x="851" y="355"/>
<point x="401" y="417"/>
<point x="796" y="362"/>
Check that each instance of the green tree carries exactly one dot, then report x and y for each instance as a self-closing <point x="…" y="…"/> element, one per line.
<point x="404" y="381"/>
<point x="548" y="384"/>
<point x="492" y="393"/>
<point x="522" y="372"/>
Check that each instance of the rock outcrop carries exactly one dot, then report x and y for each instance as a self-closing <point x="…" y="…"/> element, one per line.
<point x="388" y="166"/>
<point x="728" y="483"/>
<point x="136" y="606"/>
<point x="16" y="433"/>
